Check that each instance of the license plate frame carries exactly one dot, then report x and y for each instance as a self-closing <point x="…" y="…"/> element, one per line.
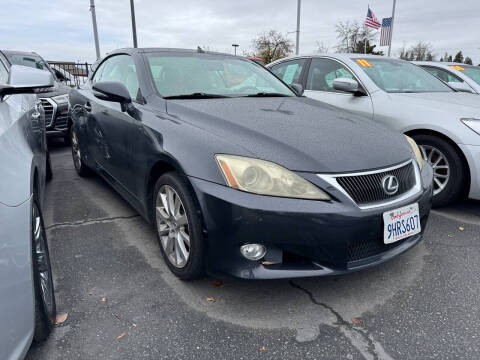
<point x="401" y="223"/>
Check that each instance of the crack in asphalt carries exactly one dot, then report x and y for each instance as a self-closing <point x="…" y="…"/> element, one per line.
<point x="348" y="327"/>
<point x="90" y="221"/>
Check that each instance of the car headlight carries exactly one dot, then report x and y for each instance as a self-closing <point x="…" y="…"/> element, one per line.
<point x="266" y="178"/>
<point x="416" y="151"/>
<point x="472" y="123"/>
<point x="61" y="99"/>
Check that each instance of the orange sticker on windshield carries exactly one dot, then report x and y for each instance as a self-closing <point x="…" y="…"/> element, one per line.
<point x="364" y="63"/>
<point x="457" y="67"/>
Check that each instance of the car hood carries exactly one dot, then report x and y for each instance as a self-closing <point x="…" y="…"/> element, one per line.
<point x="458" y="102"/>
<point x="58" y="88"/>
<point x="298" y="133"/>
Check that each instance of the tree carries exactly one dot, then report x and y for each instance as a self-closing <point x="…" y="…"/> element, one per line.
<point x="458" y="57"/>
<point x="349" y="35"/>
<point x="421" y="51"/>
<point x="450" y="59"/>
<point x="322" y="48"/>
<point x="272" y="45"/>
<point x="468" y="61"/>
<point x="360" y="49"/>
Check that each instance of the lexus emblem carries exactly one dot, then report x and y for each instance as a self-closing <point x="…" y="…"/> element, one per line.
<point x="390" y="184"/>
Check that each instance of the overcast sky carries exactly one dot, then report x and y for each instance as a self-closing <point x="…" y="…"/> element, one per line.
<point x="62" y="29"/>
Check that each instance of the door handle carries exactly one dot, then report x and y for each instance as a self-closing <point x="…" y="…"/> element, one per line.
<point x="87" y="106"/>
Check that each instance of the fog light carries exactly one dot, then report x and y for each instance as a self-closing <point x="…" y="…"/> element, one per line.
<point x="253" y="251"/>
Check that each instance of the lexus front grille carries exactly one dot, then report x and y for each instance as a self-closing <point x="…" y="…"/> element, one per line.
<point x="367" y="189"/>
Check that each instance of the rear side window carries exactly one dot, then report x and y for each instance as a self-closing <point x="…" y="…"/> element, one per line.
<point x="289" y="71"/>
<point x="442" y="74"/>
<point x="322" y="73"/>
<point x="3" y="74"/>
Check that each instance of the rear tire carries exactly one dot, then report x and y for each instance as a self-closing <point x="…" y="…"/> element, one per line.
<point x="45" y="305"/>
<point x="178" y="227"/>
<point x="82" y="169"/>
<point x="449" y="170"/>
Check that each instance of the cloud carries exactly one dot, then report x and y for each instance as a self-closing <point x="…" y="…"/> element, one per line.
<point x="62" y="30"/>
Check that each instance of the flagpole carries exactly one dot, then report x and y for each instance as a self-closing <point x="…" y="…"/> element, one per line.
<point x="391" y="29"/>
<point x="365" y="39"/>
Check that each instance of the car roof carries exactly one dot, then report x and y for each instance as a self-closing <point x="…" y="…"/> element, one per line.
<point x="338" y="56"/>
<point x="130" y="50"/>
<point x="441" y="63"/>
<point x="15" y="52"/>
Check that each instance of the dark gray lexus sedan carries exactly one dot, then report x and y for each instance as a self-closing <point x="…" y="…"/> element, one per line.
<point x="240" y="174"/>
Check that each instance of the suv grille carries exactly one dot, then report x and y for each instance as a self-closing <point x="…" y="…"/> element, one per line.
<point x="61" y="120"/>
<point x="367" y="188"/>
<point x="49" y="112"/>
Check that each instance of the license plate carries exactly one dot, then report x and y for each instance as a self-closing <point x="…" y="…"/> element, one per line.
<point x="401" y="223"/>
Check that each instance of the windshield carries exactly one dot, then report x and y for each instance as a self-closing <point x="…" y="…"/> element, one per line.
<point x="473" y="72"/>
<point x="32" y="61"/>
<point x="184" y="74"/>
<point x="397" y="76"/>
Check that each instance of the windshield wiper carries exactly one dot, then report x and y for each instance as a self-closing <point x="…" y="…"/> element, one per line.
<point x="267" y="94"/>
<point x="197" y="95"/>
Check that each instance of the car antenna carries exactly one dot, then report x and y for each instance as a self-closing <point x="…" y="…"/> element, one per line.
<point x="200" y="50"/>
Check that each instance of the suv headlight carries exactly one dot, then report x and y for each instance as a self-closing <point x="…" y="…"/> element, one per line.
<point x="472" y="123"/>
<point x="266" y="178"/>
<point x="61" y="99"/>
<point x="416" y="151"/>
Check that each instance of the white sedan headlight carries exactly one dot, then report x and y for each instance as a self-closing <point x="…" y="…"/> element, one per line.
<point x="416" y="151"/>
<point x="61" y="99"/>
<point x="266" y="178"/>
<point x="472" y="123"/>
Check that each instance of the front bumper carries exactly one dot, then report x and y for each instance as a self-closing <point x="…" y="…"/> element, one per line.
<point x="303" y="237"/>
<point x="472" y="153"/>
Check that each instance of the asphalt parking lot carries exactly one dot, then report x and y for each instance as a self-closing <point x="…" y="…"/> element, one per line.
<point x="123" y="303"/>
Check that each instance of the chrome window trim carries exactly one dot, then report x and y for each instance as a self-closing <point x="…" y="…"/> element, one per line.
<point x="331" y="179"/>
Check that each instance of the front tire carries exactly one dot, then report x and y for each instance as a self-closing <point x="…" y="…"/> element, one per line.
<point x="178" y="227"/>
<point x="45" y="305"/>
<point x="449" y="171"/>
<point x="82" y="169"/>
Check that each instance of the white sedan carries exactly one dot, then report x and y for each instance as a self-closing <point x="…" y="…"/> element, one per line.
<point x="461" y="76"/>
<point x="27" y="299"/>
<point x="445" y="123"/>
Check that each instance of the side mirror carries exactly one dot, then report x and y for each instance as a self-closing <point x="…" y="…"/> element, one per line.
<point x="348" y="85"/>
<point x="112" y="91"/>
<point x="297" y="88"/>
<point x="22" y="79"/>
<point x="460" y="86"/>
<point x="60" y="76"/>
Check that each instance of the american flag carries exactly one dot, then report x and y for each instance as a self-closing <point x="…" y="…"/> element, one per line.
<point x="371" y="20"/>
<point x="386" y="32"/>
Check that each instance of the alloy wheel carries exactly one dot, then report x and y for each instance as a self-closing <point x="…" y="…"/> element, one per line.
<point x="42" y="261"/>
<point x="440" y="165"/>
<point x="77" y="159"/>
<point x="172" y="225"/>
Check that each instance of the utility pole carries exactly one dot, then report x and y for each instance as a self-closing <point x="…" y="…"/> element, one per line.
<point x="134" y="26"/>
<point x="391" y="29"/>
<point x="298" y="27"/>
<point x="235" y="47"/>
<point x="95" y="32"/>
